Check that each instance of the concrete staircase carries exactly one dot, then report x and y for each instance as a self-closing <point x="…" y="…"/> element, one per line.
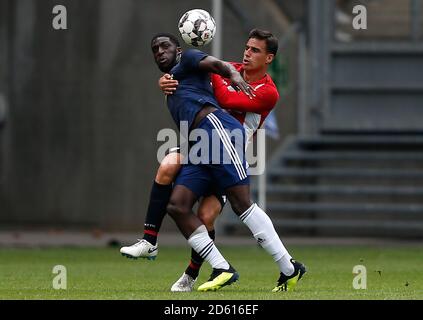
<point x="355" y="185"/>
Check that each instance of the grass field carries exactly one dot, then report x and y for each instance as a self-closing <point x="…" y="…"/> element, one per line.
<point x="392" y="273"/>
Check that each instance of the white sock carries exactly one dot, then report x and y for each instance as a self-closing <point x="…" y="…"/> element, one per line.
<point x="201" y="242"/>
<point x="263" y="231"/>
<point x="285" y="265"/>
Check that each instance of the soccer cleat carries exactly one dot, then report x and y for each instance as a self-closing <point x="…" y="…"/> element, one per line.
<point x="220" y="278"/>
<point x="288" y="283"/>
<point x="141" y="249"/>
<point x="184" y="284"/>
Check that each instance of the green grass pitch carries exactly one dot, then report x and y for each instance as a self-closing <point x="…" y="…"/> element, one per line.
<point x="392" y="273"/>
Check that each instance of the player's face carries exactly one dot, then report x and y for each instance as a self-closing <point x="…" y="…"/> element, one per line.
<point x="255" y="55"/>
<point x="165" y="53"/>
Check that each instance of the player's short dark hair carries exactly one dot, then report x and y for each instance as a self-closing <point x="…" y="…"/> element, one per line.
<point x="172" y="38"/>
<point x="271" y="40"/>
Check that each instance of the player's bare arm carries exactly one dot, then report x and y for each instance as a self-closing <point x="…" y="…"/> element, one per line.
<point x="214" y="65"/>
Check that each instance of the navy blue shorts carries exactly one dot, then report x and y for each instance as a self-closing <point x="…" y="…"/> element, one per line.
<point x="218" y="161"/>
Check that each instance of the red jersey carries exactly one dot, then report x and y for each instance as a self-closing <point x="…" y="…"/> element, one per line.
<point x="250" y="112"/>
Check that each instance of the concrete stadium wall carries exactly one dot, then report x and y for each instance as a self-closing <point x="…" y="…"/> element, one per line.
<point x="79" y="147"/>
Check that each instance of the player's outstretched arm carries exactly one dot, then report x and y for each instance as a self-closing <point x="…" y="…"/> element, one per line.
<point x="226" y="70"/>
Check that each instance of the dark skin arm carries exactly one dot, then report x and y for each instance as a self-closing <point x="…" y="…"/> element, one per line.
<point x="210" y="64"/>
<point x="226" y="70"/>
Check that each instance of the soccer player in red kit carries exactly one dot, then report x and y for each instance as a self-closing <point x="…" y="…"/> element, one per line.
<point x="250" y="111"/>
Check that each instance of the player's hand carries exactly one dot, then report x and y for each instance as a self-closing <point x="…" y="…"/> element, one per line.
<point x="167" y="84"/>
<point x="239" y="84"/>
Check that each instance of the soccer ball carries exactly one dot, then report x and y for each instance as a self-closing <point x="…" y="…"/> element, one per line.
<point x="197" y="27"/>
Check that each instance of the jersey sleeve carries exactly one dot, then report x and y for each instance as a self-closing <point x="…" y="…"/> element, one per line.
<point x="266" y="97"/>
<point x="191" y="58"/>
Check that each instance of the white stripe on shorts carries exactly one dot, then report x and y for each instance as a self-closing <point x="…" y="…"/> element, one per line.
<point x="238" y="169"/>
<point x="228" y="140"/>
<point x="228" y="145"/>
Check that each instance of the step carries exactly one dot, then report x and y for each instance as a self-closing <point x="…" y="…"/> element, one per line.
<point x="345" y="173"/>
<point x="358" y="208"/>
<point x="378" y="48"/>
<point x="361" y="141"/>
<point x="344" y="190"/>
<point x="345" y="224"/>
<point x="342" y="155"/>
<point x="376" y="88"/>
<point x="349" y="224"/>
<point x="327" y="131"/>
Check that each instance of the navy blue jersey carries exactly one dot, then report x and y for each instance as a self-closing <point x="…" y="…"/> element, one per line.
<point x="194" y="89"/>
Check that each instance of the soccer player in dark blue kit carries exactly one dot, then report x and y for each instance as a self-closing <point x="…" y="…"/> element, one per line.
<point x="195" y="104"/>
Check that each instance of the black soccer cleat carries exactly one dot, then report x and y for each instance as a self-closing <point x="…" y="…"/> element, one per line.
<point x="220" y="278"/>
<point x="288" y="283"/>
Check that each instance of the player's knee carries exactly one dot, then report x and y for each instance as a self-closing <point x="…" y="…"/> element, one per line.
<point x="208" y="217"/>
<point x="167" y="173"/>
<point x="172" y="209"/>
<point x="175" y="210"/>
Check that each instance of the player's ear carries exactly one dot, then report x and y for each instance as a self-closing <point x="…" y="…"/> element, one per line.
<point x="178" y="54"/>
<point x="270" y="58"/>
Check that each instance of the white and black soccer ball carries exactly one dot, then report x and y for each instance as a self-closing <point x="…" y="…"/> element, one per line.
<point x="197" y="27"/>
